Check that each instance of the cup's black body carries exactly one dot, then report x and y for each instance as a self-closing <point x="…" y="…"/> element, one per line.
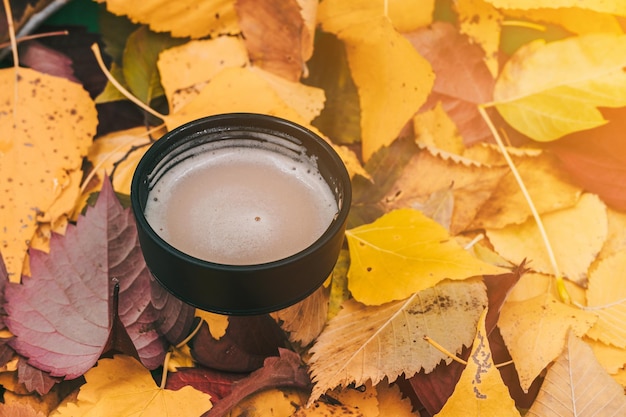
<point x="240" y="289"/>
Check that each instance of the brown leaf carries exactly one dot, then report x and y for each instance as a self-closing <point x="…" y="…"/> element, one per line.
<point x="248" y="341"/>
<point x="275" y="35"/>
<point x="283" y="371"/>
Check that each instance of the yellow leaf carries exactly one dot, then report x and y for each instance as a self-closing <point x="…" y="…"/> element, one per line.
<point x="270" y="403"/>
<point x="576" y="385"/>
<point x="44" y="138"/>
<point x="576" y="235"/>
<point x="182" y="18"/>
<point x="611" y="358"/>
<point x="117" y="155"/>
<point x="404" y="252"/>
<point x="480" y="390"/>
<point x="229" y="91"/>
<point x="606" y="297"/>
<point x="392" y="79"/>
<point x="123" y="387"/>
<point x="435" y="128"/>
<point x="574" y="19"/>
<point x="617" y="7"/>
<point x="366" y="343"/>
<point x="549" y="90"/>
<point x="410" y="15"/>
<point x="482" y="23"/>
<point x="195" y="63"/>
<point x="549" y="188"/>
<point x="218" y="323"/>
<point x="535" y="331"/>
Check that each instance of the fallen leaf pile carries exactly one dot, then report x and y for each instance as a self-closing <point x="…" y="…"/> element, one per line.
<point x="485" y="253"/>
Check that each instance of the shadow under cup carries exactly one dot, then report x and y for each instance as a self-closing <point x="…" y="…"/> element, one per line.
<point x="240" y="289"/>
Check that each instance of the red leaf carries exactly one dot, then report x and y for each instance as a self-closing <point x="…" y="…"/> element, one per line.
<point x="217" y="384"/>
<point x="244" y="347"/>
<point x="462" y="78"/>
<point x="283" y="371"/>
<point x="596" y="159"/>
<point x="61" y="315"/>
<point x="35" y="379"/>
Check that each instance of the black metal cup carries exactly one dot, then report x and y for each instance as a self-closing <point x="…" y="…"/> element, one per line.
<point x="240" y="289"/>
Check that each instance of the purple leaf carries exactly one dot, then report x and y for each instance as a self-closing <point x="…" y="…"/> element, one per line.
<point x="35" y="379"/>
<point x="61" y="316"/>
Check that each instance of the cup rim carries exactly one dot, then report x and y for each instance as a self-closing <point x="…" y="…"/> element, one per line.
<point x="158" y="149"/>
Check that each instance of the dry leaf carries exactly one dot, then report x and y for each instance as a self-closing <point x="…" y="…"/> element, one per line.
<point x="608" y="6"/>
<point x="196" y="63"/>
<point x="480" y="390"/>
<point x="611" y="358"/>
<point x="305" y="320"/>
<point x="434" y="128"/>
<point x="549" y="90"/>
<point x="275" y="35"/>
<point x="535" y="330"/>
<point x="414" y="250"/>
<point x="123" y="387"/>
<point x="482" y="23"/>
<point x="574" y="19"/>
<point x="577" y="386"/>
<point x="366" y="343"/>
<point x="576" y="236"/>
<point x="392" y="79"/>
<point x="549" y="188"/>
<point x="44" y="139"/>
<point x="409" y="15"/>
<point x="117" y="154"/>
<point x="426" y="174"/>
<point x="181" y="18"/>
<point x="284" y="402"/>
<point x="606" y="297"/>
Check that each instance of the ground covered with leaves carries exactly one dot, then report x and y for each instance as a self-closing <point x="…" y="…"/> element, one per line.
<point x="485" y="257"/>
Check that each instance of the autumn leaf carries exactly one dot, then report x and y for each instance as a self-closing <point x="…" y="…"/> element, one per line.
<point x="305" y="320"/>
<point x="276" y="36"/>
<point x="70" y="291"/>
<point x="549" y="188"/>
<point x="41" y="145"/>
<point x="585" y="228"/>
<point x="576" y="385"/>
<point x="373" y="342"/>
<point x="392" y="79"/>
<point x="535" y="330"/>
<point x="470" y="184"/>
<point x="123" y="387"/>
<point x="181" y="18"/>
<point x="607" y="299"/>
<point x="480" y="390"/>
<point x="413" y="249"/>
<point x="610" y="6"/>
<point x="462" y="78"/>
<point x="549" y="90"/>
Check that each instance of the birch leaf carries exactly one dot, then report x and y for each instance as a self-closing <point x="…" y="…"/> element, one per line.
<point x="617" y="7"/>
<point x="392" y="79"/>
<point x="43" y="139"/>
<point x="480" y="390"/>
<point x="606" y="297"/>
<point x="577" y="235"/>
<point x="123" y="387"/>
<point x="577" y="386"/>
<point x="366" y="343"/>
<point x="535" y="331"/>
<point x="546" y="91"/>
<point x="413" y="249"/>
<point x="187" y="18"/>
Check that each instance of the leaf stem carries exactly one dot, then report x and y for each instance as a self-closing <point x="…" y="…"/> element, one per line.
<point x="444" y="350"/>
<point x="166" y="361"/>
<point x="524" y="24"/>
<point x="96" y="51"/>
<point x="560" y="284"/>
